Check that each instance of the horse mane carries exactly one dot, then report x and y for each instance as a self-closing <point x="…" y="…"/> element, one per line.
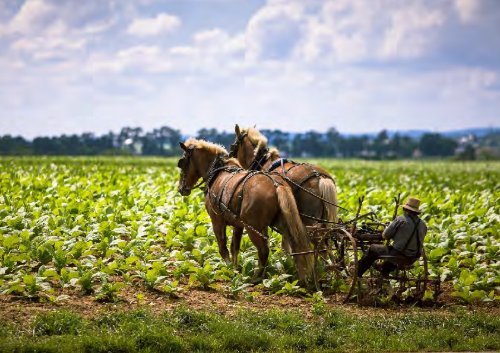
<point x="209" y="146"/>
<point x="257" y="139"/>
<point x="233" y="161"/>
<point x="274" y="153"/>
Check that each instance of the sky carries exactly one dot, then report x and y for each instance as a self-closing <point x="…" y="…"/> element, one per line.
<point x="360" y="66"/>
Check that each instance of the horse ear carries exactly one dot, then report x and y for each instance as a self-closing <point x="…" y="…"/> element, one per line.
<point x="183" y="146"/>
<point x="237" y="130"/>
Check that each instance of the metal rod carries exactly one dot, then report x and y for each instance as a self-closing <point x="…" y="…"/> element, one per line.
<point x="397" y="201"/>
<point x="306" y="252"/>
<point x="360" y="204"/>
<point x="360" y="217"/>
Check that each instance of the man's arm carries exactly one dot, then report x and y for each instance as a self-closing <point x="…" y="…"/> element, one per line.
<point x="392" y="228"/>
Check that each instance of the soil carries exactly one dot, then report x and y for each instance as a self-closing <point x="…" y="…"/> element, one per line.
<point x="22" y="310"/>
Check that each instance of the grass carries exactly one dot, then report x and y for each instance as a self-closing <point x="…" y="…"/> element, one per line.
<point x="186" y="330"/>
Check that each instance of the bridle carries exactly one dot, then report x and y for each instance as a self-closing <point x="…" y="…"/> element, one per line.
<point x="233" y="150"/>
<point x="183" y="164"/>
<point x="259" y="159"/>
<point x="212" y="170"/>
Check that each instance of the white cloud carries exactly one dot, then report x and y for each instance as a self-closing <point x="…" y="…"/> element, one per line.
<point x="32" y="16"/>
<point x="97" y="27"/>
<point x="274" y="30"/>
<point x="40" y="30"/>
<point x="343" y="31"/>
<point x="211" y="52"/>
<point x="218" y="42"/>
<point x="338" y="32"/>
<point x="55" y="41"/>
<point x="140" y="59"/>
<point x="160" y="24"/>
<point x="467" y="9"/>
<point x="409" y="33"/>
<point x="43" y="48"/>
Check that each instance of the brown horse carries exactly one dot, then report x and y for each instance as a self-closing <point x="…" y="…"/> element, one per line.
<point x="246" y="200"/>
<point x="251" y="150"/>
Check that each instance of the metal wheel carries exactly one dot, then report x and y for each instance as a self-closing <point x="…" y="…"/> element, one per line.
<point x="345" y="269"/>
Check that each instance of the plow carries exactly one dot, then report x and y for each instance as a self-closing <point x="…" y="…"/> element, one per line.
<point x="337" y="249"/>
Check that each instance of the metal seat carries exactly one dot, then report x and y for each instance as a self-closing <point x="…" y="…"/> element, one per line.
<point x="402" y="262"/>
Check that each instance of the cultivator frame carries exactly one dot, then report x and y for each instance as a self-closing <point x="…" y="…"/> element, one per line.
<point x="338" y="247"/>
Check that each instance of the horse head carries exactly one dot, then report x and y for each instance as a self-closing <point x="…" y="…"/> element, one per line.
<point x="189" y="174"/>
<point x="248" y="145"/>
<point x="198" y="159"/>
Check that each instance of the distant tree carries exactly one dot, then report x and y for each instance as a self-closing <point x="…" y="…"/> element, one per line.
<point x="279" y="139"/>
<point x="353" y="146"/>
<point x="47" y="146"/>
<point x="436" y="145"/>
<point x="14" y="146"/>
<point x="381" y="144"/>
<point x="467" y="154"/>
<point x="212" y="135"/>
<point x="162" y="142"/>
<point x="407" y="146"/>
<point x="333" y="141"/>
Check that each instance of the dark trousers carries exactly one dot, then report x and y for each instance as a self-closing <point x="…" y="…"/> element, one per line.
<point x="375" y="251"/>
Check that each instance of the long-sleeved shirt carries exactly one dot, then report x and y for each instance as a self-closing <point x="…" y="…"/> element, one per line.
<point x="401" y="229"/>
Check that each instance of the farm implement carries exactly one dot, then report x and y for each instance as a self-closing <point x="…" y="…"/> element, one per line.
<point x="337" y="249"/>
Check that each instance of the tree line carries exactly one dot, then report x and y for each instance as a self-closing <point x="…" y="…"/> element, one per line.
<point x="164" y="142"/>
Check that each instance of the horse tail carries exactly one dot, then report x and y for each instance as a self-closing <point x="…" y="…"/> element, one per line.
<point x="328" y="191"/>
<point x="297" y="237"/>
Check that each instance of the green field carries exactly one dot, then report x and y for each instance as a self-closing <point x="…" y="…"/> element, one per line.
<point x="97" y="225"/>
<point x="102" y="227"/>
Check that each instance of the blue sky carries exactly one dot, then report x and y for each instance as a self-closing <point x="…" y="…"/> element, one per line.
<point x="360" y="66"/>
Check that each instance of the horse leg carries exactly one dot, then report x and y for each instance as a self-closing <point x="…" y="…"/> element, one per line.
<point x="262" y="250"/>
<point x="220" y="235"/>
<point x="235" y="244"/>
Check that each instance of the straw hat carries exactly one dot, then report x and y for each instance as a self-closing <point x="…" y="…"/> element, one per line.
<point x="412" y="205"/>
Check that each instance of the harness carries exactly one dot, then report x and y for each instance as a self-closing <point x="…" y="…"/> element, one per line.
<point x="223" y="205"/>
<point x="277" y="163"/>
<point x="216" y="167"/>
<point x="261" y="158"/>
<point x="298" y="185"/>
<point x="415" y="231"/>
<point x="259" y="161"/>
<point x="214" y="170"/>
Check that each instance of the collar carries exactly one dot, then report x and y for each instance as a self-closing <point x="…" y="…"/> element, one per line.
<point x="277" y="163"/>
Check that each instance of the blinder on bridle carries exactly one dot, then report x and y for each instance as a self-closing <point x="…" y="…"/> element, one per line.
<point x="233" y="150"/>
<point x="184" y="161"/>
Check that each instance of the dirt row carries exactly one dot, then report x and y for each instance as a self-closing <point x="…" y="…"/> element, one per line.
<point x="21" y="309"/>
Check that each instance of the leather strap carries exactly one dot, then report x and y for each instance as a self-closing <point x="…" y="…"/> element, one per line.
<point x="415" y="231"/>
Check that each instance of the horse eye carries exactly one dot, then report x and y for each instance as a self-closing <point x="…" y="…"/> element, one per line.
<point x="180" y="164"/>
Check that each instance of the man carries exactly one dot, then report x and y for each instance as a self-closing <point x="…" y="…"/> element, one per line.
<point x="407" y="232"/>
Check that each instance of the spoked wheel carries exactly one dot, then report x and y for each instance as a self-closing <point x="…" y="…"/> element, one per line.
<point x="345" y="270"/>
<point x="323" y="256"/>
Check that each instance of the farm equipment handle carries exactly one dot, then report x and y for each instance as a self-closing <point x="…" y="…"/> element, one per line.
<point x="397" y="200"/>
